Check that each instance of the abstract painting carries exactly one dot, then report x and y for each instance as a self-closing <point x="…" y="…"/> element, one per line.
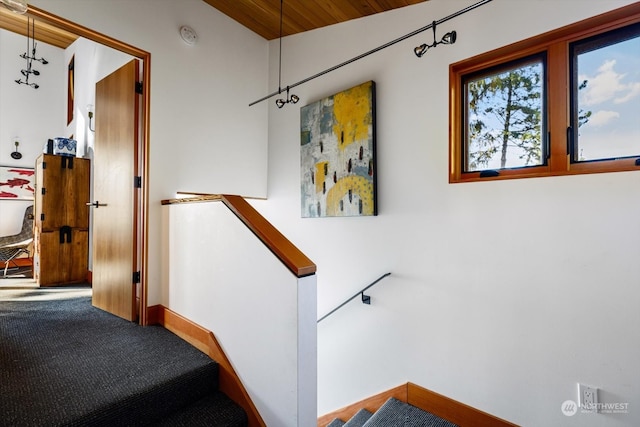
<point x="337" y="154"/>
<point x="16" y="183"/>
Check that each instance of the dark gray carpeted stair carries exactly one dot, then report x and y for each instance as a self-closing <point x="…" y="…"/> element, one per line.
<point x="393" y="413"/>
<point x="336" y="423"/>
<point x="213" y="410"/>
<point x="359" y="419"/>
<point x="66" y="363"/>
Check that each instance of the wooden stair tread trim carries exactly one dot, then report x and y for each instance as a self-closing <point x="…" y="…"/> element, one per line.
<point x="444" y="407"/>
<point x="371" y="404"/>
<point x="452" y="410"/>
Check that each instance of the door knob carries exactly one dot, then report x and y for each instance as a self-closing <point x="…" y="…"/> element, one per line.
<point x="96" y="204"/>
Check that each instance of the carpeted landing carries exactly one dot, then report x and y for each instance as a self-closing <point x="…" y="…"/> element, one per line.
<point x="66" y="363"/>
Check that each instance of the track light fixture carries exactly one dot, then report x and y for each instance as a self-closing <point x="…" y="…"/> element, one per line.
<point x="449" y="38"/>
<point x="290" y="99"/>
<point x="293" y="98"/>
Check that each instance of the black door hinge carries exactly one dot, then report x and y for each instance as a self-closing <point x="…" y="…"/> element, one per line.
<point x="43" y="191"/>
<point x="136" y="277"/>
<point x="41" y="217"/>
<point x="44" y="165"/>
<point x="139" y="87"/>
<point x="137" y="182"/>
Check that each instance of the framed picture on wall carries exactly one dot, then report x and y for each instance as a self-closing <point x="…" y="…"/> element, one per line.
<point x="337" y="154"/>
<point x="71" y="70"/>
<point x="16" y="183"/>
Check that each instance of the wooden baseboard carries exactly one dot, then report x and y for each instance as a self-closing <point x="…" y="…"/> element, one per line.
<point x="427" y="400"/>
<point x="452" y="410"/>
<point x="153" y="315"/>
<point x="205" y="341"/>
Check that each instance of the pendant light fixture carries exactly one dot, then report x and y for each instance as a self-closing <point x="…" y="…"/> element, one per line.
<point x="29" y="58"/>
<point x="289" y="99"/>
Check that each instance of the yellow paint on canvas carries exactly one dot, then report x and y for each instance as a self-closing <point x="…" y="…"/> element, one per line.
<point x="358" y="185"/>
<point x="351" y="110"/>
<point x="321" y="175"/>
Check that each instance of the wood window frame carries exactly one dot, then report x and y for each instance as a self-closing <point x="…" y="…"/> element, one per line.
<point x="555" y="44"/>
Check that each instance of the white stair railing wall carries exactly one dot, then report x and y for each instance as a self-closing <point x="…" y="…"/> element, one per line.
<point x="218" y="274"/>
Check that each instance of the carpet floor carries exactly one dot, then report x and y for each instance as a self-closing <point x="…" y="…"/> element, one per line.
<point x="64" y="362"/>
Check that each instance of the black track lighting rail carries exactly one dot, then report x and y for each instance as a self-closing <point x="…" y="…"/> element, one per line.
<point x="293" y="98"/>
<point x="377" y="49"/>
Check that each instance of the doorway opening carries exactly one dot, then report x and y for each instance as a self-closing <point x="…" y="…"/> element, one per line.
<point x="60" y="26"/>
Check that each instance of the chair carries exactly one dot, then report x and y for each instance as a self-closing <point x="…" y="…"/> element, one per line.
<point x="12" y="246"/>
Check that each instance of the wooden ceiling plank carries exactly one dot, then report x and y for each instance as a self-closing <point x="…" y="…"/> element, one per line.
<point x="263" y="16"/>
<point x="301" y="16"/>
<point x="339" y="10"/>
<point x="44" y="32"/>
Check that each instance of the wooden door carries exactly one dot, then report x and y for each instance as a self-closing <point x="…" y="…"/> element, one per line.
<point x="115" y="198"/>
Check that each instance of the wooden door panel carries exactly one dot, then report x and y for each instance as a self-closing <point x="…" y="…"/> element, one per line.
<point x="114" y="243"/>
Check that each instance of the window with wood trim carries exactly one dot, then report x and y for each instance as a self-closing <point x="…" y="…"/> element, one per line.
<point x="565" y="102"/>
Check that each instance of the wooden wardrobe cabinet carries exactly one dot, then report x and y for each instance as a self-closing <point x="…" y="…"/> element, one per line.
<point x="61" y="220"/>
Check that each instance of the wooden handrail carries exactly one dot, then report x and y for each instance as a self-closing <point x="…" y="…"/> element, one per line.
<point x="287" y="252"/>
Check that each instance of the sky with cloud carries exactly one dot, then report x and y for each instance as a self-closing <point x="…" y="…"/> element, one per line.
<point x="612" y="95"/>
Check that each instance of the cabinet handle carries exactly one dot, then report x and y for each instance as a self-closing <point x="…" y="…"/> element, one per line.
<point x="96" y="204"/>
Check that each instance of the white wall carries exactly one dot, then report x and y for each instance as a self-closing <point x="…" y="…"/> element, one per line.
<point x="504" y="294"/>
<point x="263" y="316"/>
<point x="501" y="319"/>
<point x="92" y="62"/>
<point x="204" y="138"/>
<point x="34" y="115"/>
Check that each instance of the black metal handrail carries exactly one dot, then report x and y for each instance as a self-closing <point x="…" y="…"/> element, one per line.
<point x="366" y="299"/>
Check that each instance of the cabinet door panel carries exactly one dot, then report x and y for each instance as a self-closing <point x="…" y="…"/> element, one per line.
<point x="50" y="213"/>
<point x="77" y="194"/>
<point x="61" y="263"/>
<point x="78" y="254"/>
<point x="63" y="192"/>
